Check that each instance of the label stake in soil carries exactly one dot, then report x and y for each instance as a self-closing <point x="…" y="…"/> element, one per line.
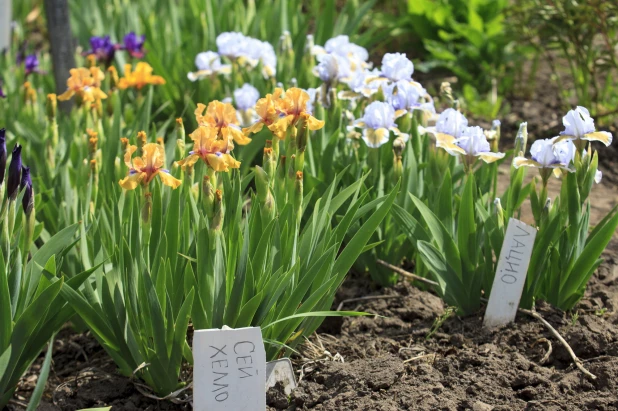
<point x="280" y="371"/>
<point x="510" y="274"/>
<point x="230" y="370"/>
<point x="5" y="25"/>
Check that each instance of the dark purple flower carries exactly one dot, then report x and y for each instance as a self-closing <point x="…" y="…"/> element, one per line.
<point x="12" y="184"/>
<point x="102" y="48"/>
<point x="2" y="154"/>
<point x="27" y="201"/>
<point x="31" y="62"/>
<point x="2" y="95"/>
<point x="134" y="44"/>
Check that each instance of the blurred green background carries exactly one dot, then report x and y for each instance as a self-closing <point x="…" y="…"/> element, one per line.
<point x="492" y="51"/>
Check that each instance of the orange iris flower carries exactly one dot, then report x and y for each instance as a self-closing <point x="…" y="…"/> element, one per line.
<point x="266" y="109"/>
<point x="293" y="107"/>
<point x="211" y="150"/>
<point x="222" y="117"/>
<point x="85" y="84"/>
<point x="142" y="76"/>
<point x="142" y="170"/>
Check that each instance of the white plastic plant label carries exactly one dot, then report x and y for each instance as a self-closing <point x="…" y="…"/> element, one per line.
<point x="229" y="370"/>
<point x="281" y="371"/>
<point x="5" y="24"/>
<point x="510" y="274"/>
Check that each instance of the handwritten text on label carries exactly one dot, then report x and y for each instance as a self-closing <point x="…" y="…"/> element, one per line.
<point x="230" y="370"/>
<point x="510" y="274"/>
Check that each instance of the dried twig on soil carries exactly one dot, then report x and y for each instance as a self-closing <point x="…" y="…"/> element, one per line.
<point x="566" y="345"/>
<point x="407" y="274"/>
<point x="146" y="391"/>
<point x="600" y="358"/>
<point x="173" y="397"/>
<point x="420" y="357"/>
<point x="316" y="354"/>
<point x="18" y="403"/>
<point x="370" y="297"/>
<point x="549" y="349"/>
<point x="80" y="349"/>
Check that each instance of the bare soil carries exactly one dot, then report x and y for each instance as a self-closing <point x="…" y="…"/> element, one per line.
<point x="390" y="364"/>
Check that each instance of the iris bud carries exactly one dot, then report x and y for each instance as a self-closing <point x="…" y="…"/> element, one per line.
<point x="298" y="189"/>
<point x="14" y="173"/>
<point x="26" y="184"/>
<point x="29" y="93"/>
<point x="522" y="139"/>
<point x="269" y="162"/>
<point x="499" y="212"/>
<point x="261" y="183"/>
<point x="124" y="143"/>
<point x="217" y="218"/>
<point x="301" y="136"/>
<point x="180" y="148"/>
<point x="180" y="129"/>
<point x="208" y="196"/>
<point x="141" y="140"/>
<point x="93" y="140"/>
<point x="2" y="154"/>
<point x="281" y="170"/>
<point x="399" y="144"/>
<point x="113" y="75"/>
<point x="147" y="208"/>
<point x="51" y="107"/>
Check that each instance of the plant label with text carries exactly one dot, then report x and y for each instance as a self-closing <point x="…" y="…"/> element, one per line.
<point x="510" y="274"/>
<point x="229" y="370"/>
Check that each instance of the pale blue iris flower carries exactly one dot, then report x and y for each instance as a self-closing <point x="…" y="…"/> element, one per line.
<point x="396" y="67"/>
<point x="246" y="97"/>
<point x="339" y="60"/>
<point x="208" y="63"/>
<point x="448" y="128"/>
<point x="406" y="97"/>
<point x="578" y="125"/>
<point x="470" y="144"/>
<point x="249" y="51"/>
<point x="549" y="153"/>
<point x="377" y="123"/>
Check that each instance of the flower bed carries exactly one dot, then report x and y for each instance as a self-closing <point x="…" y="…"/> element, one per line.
<point x="279" y="187"/>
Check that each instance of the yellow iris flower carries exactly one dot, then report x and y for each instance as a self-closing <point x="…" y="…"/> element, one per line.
<point x="142" y="170"/>
<point x="222" y="117"/>
<point x="85" y="84"/>
<point x="291" y="108"/>
<point x="142" y="76"/>
<point x="266" y="109"/>
<point x="211" y="150"/>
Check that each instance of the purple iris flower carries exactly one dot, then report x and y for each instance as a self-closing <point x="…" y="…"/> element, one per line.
<point x="31" y="63"/>
<point x="2" y="95"/>
<point x="134" y="44"/>
<point x="102" y="48"/>
<point x="26" y="184"/>
<point x="12" y="184"/>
